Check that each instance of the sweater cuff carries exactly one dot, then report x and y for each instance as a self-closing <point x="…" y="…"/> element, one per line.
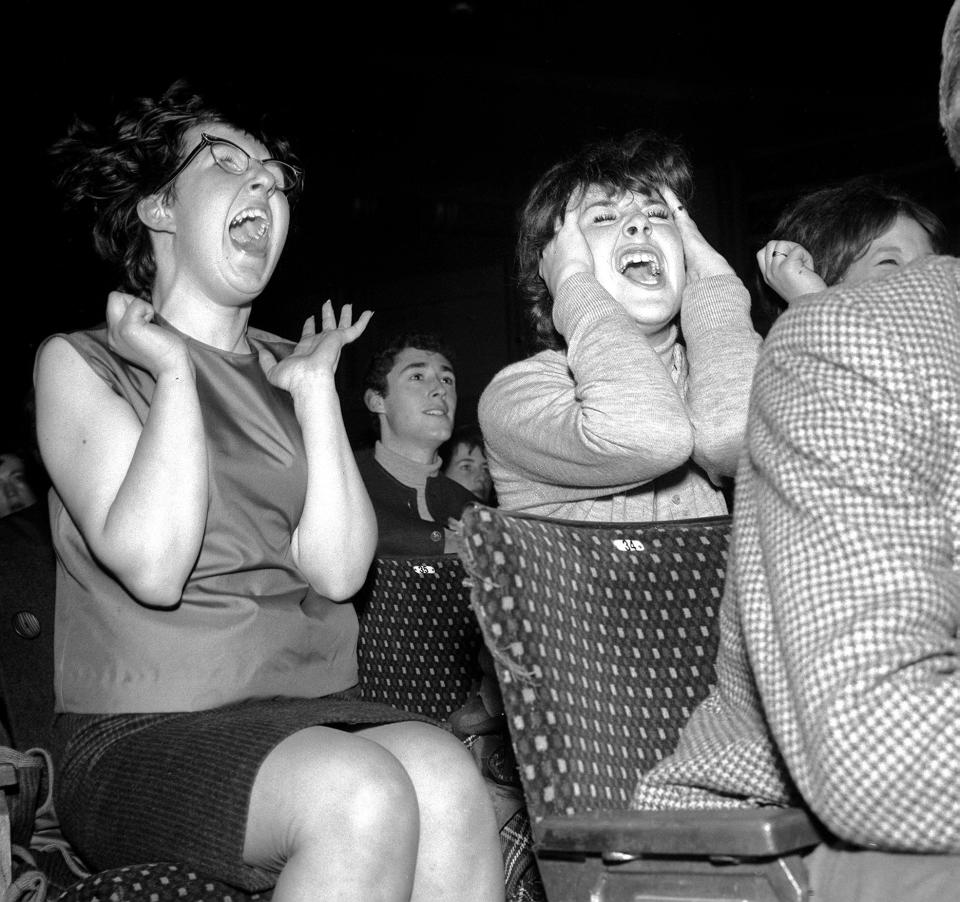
<point x="582" y="300"/>
<point x="715" y="302"/>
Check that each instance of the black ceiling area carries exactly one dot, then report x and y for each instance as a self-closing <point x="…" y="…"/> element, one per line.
<point x="422" y="125"/>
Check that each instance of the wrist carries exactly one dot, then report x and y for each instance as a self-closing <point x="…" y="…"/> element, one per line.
<point x="307" y="389"/>
<point x="176" y="370"/>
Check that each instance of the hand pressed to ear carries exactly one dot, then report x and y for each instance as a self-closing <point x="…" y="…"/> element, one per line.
<point x="700" y="257"/>
<point x="133" y="334"/>
<point x="566" y="254"/>
<point x="318" y="353"/>
<point x="787" y="267"/>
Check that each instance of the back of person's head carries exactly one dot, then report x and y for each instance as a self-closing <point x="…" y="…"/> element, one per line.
<point x="950" y="82"/>
<point x="642" y="161"/>
<point x="836" y="224"/>
<point x="107" y="169"/>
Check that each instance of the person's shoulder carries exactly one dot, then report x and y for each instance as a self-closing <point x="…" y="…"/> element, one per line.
<point x="277" y="345"/>
<point x="91" y="344"/>
<point x="924" y="293"/>
<point x="539" y="364"/>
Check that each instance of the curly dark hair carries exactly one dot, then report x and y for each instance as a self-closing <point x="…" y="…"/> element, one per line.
<point x="385" y="356"/>
<point x="836" y="224"/>
<point x="109" y="169"/>
<point x="641" y="161"/>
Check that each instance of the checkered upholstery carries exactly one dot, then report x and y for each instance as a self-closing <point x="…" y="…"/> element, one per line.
<point x="419" y="642"/>
<point x="604" y="637"/>
<point x="160" y="882"/>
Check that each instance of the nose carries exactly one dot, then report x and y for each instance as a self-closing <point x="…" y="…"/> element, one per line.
<point x="636" y="224"/>
<point x="261" y="179"/>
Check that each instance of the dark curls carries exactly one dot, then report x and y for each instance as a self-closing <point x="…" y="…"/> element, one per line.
<point x="642" y="161"/>
<point x="108" y="170"/>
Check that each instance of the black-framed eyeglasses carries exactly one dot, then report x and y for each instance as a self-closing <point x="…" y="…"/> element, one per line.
<point x="234" y="159"/>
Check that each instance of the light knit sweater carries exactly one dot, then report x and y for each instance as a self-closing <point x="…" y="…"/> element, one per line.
<point x="607" y="431"/>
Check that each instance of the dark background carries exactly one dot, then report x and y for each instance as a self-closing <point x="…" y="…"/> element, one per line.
<point x="423" y="125"/>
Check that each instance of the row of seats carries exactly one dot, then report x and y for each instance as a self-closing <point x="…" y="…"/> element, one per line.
<point x="603" y="638"/>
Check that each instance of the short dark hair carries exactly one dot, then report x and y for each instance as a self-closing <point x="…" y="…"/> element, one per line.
<point x="469" y="435"/>
<point x="837" y="223"/>
<point x="641" y="161"/>
<point x="386" y="355"/>
<point x="111" y="168"/>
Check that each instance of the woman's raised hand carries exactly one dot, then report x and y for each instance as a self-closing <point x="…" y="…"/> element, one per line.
<point x="133" y="334"/>
<point x="787" y="268"/>
<point x="566" y="254"/>
<point x="318" y="353"/>
<point x="700" y="257"/>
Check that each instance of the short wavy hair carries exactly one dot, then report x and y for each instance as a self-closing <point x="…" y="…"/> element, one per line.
<point x="836" y="224"/>
<point x="641" y="161"/>
<point x="384" y="358"/>
<point x="107" y="170"/>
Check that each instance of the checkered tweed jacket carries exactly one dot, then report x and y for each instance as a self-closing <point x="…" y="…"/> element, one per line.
<point x="838" y="675"/>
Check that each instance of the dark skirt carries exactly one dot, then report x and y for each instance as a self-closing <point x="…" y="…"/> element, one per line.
<point x="136" y="788"/>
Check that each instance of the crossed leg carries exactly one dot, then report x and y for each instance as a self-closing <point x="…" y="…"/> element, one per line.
<point x="394" y="812"/>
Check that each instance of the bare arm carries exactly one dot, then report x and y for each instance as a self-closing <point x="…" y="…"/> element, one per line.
<point x="137" y="493"/>
<point x="336" y="538"/>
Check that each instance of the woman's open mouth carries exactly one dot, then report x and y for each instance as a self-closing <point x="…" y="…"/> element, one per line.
<point x="250" y="231"/>
<point x="641" y="266"/>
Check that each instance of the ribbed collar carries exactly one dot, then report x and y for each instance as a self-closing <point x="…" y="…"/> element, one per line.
<point x="409" y="472"/>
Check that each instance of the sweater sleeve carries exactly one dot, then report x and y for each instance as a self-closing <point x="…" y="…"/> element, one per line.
<point x="604" y="417"/>
<point x="722" y="349"/>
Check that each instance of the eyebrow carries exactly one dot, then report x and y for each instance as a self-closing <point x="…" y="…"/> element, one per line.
<point x="422" y="365"/>
<point x="614" y="201"/>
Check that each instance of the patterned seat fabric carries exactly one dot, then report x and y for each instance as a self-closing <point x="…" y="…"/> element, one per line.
<point x="419" y="642"/>
<point x="604" y="637"/>
<point x="156" y="882"/>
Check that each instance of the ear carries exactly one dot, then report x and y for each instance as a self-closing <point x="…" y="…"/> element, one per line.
<point x="155" y="213"/>
<point x="373" y="400"/>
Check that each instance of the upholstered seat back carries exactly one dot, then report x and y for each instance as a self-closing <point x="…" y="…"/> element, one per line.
<point x="419" y="643"/>
<point x="604" y="636"/>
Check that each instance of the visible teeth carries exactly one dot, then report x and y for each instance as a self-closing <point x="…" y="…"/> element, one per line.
<point x="244" y="215"/>
<point x="640" y="257"/>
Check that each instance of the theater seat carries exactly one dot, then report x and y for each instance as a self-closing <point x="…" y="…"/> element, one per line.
<point x="604" y="638"/>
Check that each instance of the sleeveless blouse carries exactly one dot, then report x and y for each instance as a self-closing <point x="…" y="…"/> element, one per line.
<point x="248" y="625"/>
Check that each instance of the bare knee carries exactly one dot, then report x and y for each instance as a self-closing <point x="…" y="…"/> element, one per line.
<point x="333" y="793"/>
<point x="444" y="773"/>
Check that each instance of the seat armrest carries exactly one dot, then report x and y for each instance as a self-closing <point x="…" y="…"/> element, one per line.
<point x="734" y="833"/>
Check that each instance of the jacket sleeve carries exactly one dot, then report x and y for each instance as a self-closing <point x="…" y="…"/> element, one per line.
<point x="853" y="449"/>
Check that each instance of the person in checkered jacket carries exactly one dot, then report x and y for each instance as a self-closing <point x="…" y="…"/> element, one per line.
<point x="839" y="665"/>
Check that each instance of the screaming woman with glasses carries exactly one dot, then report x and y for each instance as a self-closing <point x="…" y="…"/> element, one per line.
<point x="209" y="519"/>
